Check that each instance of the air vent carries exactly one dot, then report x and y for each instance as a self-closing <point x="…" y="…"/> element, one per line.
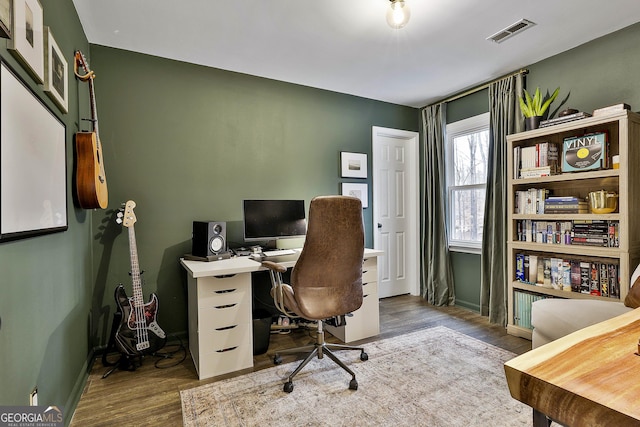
<point x="511" y="30"/>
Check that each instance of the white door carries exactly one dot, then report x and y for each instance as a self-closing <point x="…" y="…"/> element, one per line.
<point x="396" y="210"/>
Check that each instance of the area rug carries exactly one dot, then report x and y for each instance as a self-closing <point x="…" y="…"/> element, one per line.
<point x="431" y="377"/>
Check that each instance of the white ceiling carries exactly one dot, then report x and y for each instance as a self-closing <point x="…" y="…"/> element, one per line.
<point x="346" y="45"/>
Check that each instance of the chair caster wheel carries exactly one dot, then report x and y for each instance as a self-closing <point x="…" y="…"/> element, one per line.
<point x="288" y="387"/>
<point x="277" y="360"/>
<point x="364" y="356"/>
<point x="353" y="384"/>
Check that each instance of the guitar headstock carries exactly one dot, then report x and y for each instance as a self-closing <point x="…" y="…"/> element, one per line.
<point x="126" y="216"/>
<point x="81" y="61"/>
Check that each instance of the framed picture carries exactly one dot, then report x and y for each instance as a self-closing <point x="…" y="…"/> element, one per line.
<point x="353" y="165"/>
<point x="27" y="38"/>
<point x="361" y="191"/>
<point x="33" y="169"/>
<point x="56" y="69"/>
<point x="5" y="18"/>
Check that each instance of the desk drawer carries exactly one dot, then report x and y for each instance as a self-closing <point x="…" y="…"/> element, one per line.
<point x="234" y="359"/>
<point x="214" y="291"/>
<point x="370" y="271"/>
<point x="223" y="338"/>
<point x="364" y="322"/>
<point x="222" y="315"/>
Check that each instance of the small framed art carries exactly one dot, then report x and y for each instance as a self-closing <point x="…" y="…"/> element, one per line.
<point x="56" y="69"/>
<point x="361" y="191"/>
<point x="353" y="165"/>
<point x="27" y="38"/>
<point x="5" y="18"/>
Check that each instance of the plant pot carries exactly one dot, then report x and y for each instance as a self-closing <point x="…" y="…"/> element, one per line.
<point x="532" y="122"/>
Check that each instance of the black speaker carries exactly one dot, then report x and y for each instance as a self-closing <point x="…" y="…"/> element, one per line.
<point x="209" y="238"/>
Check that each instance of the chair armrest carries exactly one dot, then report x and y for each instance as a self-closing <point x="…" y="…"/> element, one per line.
<point x="274" y="266"/>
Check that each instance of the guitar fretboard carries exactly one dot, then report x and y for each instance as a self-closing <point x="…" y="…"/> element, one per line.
<point x="137" y="299"/>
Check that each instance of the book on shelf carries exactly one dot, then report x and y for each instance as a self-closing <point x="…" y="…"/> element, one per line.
<point x="534" y="161"/>
<point x="598" y="233"/>
<point x="535" y="172"/>
<point x="562" y="199"/>
<point x="572" y="275"/>
<point x="564" y="119"/>
<point x="604" y="111"/>
<point x="530" y="201"/>
<point x="586" y="152"/>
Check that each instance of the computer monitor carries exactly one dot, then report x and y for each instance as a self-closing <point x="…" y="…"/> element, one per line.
<point x="265" y="220"/>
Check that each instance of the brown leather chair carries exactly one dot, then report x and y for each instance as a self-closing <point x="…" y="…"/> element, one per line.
<point x="326" y="282"/>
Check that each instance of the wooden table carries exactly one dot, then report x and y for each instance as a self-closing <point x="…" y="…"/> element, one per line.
<point x="588" y="378"/>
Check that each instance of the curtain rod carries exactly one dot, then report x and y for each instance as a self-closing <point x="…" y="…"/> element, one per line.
<point x="479" y="88"/>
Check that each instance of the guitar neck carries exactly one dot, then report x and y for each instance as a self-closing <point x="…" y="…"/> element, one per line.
<point x="137" y="296"/>
<point x="94" y="108"/>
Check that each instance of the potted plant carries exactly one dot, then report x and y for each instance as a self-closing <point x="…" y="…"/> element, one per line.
<point x="534" y="108"/>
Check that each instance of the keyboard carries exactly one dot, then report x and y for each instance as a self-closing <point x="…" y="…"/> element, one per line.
<point x="278" y="252"/>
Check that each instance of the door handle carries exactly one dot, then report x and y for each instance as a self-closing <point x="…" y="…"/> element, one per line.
<point x="379" y="225"/>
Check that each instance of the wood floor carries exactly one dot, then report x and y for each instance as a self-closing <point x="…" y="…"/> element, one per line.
<point x="150" y="396"/>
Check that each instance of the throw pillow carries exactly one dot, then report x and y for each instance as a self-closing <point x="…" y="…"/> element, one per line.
<point x="633" y="297"/>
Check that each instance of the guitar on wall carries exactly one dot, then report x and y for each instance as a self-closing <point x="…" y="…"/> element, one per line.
<point x="138" y="331"/>
<point x="91" y="181"/>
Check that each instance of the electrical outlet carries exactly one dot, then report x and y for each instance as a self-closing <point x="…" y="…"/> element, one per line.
<point x="33" y="397"/>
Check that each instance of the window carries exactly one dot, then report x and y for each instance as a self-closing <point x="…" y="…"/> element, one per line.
<point x="466" y="171"/>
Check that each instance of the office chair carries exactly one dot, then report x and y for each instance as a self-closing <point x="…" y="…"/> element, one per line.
<point x="326" y="282"/>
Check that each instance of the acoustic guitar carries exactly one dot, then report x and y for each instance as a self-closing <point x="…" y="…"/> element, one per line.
<point x="138" y="332"/>
<point x="91" y="181"/>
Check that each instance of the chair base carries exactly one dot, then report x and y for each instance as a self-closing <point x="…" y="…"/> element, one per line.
<point x="319" y="349"/>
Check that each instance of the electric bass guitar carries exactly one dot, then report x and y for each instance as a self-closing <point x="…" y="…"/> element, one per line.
<point x="138" y="332"/>
<point x="91" y="181"/>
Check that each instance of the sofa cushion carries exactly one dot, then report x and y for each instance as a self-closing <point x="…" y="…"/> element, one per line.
<point x="553" y="318"/>
<point x="633" y="297"/>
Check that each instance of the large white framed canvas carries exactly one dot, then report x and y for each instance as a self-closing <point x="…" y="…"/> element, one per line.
<point x="33" y="171"/>
<point x="27" y="38"/>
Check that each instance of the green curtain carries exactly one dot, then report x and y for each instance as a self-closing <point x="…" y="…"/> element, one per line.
<point x="437" y="275"/>
<point x="505" y="119"/>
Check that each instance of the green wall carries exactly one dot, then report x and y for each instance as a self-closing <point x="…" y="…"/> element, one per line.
<point x="46" y="284"/>
<point x="187" y="142"/>
<point x="599" y="73"/>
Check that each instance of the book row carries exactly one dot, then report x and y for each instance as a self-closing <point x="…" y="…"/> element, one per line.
<point x="571" y="275"/>
<point x="538" y="201"/>
<point x="536" y="160"/>
<point x="578" y="153"/>
<point x="599" y="233"/>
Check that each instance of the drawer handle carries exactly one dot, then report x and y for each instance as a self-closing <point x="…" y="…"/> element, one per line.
<point x="225" y="306"/>
<point x="364" y="296"/>
<point x="224" y="328"/>
<point x="226" y="349"/>
<point x="225" y="291"/>
<point x="224" y="276"/>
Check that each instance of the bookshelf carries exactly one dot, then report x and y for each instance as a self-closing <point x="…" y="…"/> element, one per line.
<point x="623" y="133"/>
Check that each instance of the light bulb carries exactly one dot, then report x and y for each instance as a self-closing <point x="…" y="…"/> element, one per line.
<point x="398" y="14"/>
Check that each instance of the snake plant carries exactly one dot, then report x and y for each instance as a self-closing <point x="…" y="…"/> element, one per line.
<point x="536" y="105"/>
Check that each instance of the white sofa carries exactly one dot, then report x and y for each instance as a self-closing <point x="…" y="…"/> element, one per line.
<point x="553" y="318"/>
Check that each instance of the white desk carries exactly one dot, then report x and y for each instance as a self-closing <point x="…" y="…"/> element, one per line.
<point x="220" y="305"/>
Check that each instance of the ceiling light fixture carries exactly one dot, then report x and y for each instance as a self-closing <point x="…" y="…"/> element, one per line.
<point x="398" y="14"/>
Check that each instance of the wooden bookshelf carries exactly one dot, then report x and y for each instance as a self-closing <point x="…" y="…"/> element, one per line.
<point x="623" y="131"/>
